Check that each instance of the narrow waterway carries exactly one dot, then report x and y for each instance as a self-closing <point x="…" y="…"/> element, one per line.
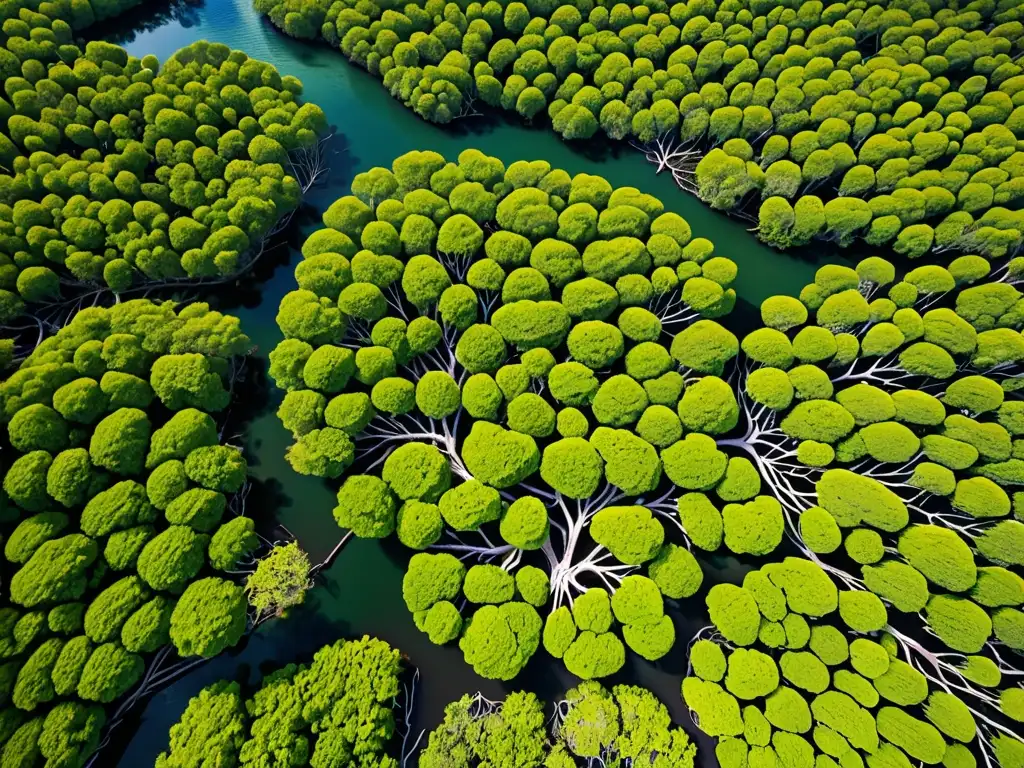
<point x="361" y="593"/>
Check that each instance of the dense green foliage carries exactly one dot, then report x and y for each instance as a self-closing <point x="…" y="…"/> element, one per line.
<point x="524" y="373"/>
<point x="885" y="415"/>
<point x="117" y="171"/>
<point x="806" y="690"/>
<point x="116" y="514"/>
<point x="335" y="711"/>
<point x="902" y="417"/>
<point x="859" y="121"/>
<point x="74" y="17"/>
<point x="478" y="732"/>
<point x="501" y="365"/>
<point x="339" y="711"/>
<point x="502" y="348"/>
<point x="626" y="726"/>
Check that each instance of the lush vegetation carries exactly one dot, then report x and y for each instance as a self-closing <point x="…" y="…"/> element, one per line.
<point x="72" y="17"/>
<point x="336" y="711"/>
<point x="592" y="726"/>
<point x="341" y="710"/>
<point x="891" y="429"/>
<point x="531" y="380"/>
<point x="529" y="374"/>
<point x="494" y="350"/>
<point x="120" y="517"/>
<point x="789" y="675"/>
<point x="122" y="510"/>
<point x="893" y="124"/>
<point x="116" y="171"/>
<point x="884" y="414"/>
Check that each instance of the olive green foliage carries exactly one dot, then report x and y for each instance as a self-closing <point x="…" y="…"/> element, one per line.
<point x="896" y="127"/>
<point x="119" y="511"/>
<point x="119" y="171"/>
<point x="320" y="713"/>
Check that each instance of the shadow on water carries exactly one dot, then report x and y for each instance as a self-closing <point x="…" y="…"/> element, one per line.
<point x="362" y="592"/>
<point x="149" y="17"/>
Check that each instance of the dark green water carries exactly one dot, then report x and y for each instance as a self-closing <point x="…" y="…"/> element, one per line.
<point x="361" y="593"/>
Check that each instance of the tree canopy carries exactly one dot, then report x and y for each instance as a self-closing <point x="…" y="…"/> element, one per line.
<point x="336" y="710"/>
<point x="117" y="171"/>
<point x="832" y="682"/>
<point x="506" y="403"/>
<point x="882" y="412"/>
<point x="623" y="726"/>
<point x="849" y="123"/>
<point x="121" y="514"/>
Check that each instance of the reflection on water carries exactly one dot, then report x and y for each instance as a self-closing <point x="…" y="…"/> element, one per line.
<point x="361" y="593"/>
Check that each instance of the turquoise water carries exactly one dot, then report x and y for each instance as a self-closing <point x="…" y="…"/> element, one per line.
<point x="361" y="592"/>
